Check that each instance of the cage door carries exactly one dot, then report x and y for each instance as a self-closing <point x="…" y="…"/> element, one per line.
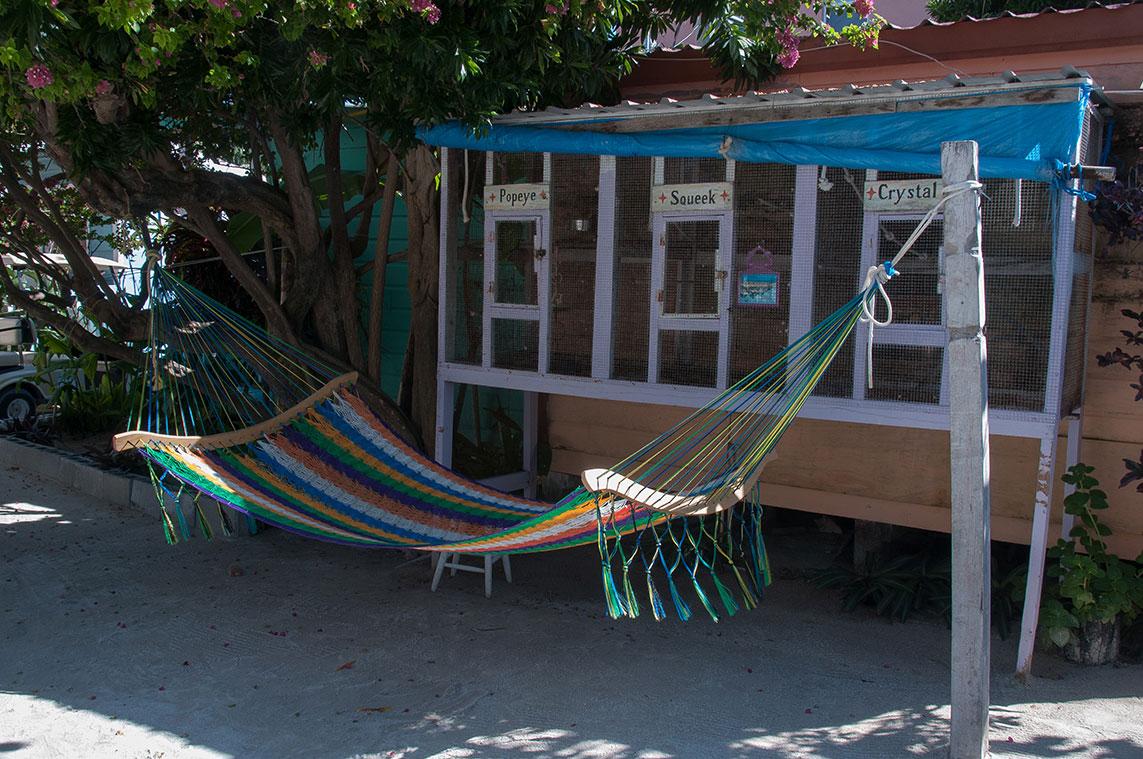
<point x="516" y="293"/>
<point x="690" y="298"/>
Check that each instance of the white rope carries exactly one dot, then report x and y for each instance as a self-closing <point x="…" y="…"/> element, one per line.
<point x="1017" y="212"/>
<point x="878" y="275"/>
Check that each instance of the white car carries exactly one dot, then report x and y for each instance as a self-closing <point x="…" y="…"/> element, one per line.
<point x="19" y="394"/>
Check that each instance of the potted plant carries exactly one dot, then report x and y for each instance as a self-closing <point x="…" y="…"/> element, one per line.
<point x="1083" y="612"/>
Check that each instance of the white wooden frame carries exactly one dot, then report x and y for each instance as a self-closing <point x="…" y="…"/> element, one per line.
<point x="602" y="338"/>
<point x="1029" y="424"/>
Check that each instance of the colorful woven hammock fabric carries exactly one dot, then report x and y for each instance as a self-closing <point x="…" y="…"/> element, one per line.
<point x="339" y="474"/>
<point x="336" y="472"/>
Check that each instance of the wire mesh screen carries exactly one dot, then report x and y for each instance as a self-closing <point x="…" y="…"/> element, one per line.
<point x="516" y="344"/>
<point x="759" y="291"/>
<point x="511" y="168"/>
<point x="735" y="296"/>
<point x="575" y="221"/>
<point x="1072" y="391"/>
<point x="837" y="263"/>
<point x="467" y="260"/>
<point x="917" y="293"/>
<point x="693" y="170"/>
<point x="1074" y="354"/>
<point x="688" y="357"/>
<point x="515" y="275"/>
<point x="1018" y="241"/>
<point x="632" y="296"/>
<point x="906" y="374"/>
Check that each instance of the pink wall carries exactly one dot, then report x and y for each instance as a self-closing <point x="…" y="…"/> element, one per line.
<point x="906" y="13"/>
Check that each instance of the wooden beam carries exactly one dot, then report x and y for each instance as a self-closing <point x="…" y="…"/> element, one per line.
<point x="1102" y="173"/>
<point x="140" y="438"/>
<point x="968" y="431"/>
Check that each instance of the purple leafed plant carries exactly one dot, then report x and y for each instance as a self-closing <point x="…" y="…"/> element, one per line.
<point x="1133" y="361"/>
<point x="1118" y="208"/>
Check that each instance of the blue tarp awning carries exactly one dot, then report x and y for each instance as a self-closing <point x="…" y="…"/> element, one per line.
<point x="1016" y="141"/>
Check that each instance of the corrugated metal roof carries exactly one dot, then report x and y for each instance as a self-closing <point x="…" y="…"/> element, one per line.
<point x="1010" y="14"/>
<point x="687" y="33"/>
<point x="950" y="86"/>
<point x="680" y="39"/>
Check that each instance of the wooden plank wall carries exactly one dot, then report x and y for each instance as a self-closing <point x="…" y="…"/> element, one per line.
<point x="1113" y="419"/>
<point x="900" y="475"/>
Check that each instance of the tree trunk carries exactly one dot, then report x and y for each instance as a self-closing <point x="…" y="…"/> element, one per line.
<point x="380" y="264"/>
<point x="1098" y="643"/>
<point x="421" y="170"/>
<point x="349" y="308"/>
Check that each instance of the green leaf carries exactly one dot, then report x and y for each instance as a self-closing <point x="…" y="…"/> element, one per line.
<point x="1060" y="635"/>
<point x="244" y="230"/>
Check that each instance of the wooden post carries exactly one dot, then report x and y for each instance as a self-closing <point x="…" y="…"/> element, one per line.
<point x="968" y="430"/>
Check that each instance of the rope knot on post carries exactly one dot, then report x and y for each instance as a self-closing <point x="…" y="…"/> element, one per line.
<point x="877" y="276"/>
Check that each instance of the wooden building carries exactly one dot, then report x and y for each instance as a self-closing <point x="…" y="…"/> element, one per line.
<point x="626" y="264"/>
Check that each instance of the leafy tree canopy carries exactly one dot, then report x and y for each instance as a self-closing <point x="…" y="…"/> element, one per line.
<point x="132" y="76"/>
<point x="143" y="103"/>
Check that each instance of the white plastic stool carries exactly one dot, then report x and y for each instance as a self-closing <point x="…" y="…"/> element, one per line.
<point x="452" y="561"/>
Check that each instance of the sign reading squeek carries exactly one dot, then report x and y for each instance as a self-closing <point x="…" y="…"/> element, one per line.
<point x="711" y="196"/>
<point x="517" y="197"/>
<point x="902" y="194"/>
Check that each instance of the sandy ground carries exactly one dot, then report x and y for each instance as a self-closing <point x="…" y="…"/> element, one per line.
<point x="113" y="644"/>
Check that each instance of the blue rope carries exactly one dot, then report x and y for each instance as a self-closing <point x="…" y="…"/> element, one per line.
<point x="1060" y="181"/>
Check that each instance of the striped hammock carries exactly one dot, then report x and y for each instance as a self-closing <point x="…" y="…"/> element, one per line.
<point x="254" y="424"/>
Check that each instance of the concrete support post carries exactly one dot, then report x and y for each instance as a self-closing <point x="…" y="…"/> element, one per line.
<point x="968" y="430"/>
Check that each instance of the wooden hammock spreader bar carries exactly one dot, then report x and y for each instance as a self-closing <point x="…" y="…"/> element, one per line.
<point x="696" y="504"/>
<point x="141" y="438"/>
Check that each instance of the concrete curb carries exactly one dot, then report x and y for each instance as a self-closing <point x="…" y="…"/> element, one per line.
<point x="116" y="488"/>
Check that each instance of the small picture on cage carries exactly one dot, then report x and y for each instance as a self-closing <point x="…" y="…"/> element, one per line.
<point x="756" y="289"/>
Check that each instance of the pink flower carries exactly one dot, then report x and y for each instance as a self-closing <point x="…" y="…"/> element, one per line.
<point x="103" y="87"/>
<point x="433" y="14"/>
<point x="419" y="6"/>
<point x="863" y="7"/>
<point x="788" y="58"/>
<point x="39" y="75"/>
<point x="317" y="60"/>
<point x="219" y="3"/>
